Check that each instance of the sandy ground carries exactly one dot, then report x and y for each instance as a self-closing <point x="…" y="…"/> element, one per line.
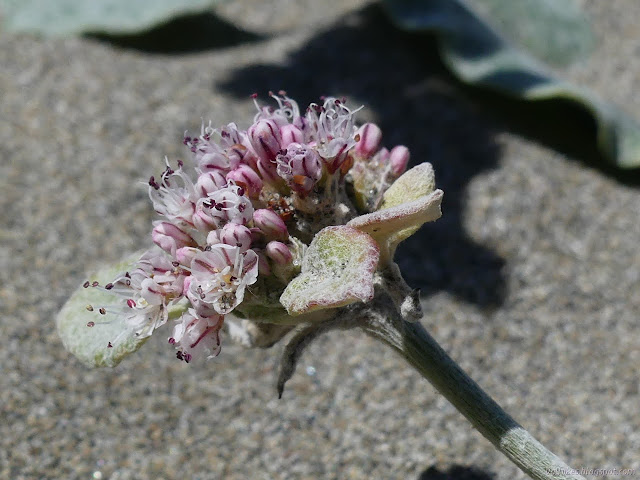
<point x="530" y="279"/>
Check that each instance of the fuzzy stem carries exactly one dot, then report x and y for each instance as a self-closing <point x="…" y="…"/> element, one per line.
<point x="421" y="351"/>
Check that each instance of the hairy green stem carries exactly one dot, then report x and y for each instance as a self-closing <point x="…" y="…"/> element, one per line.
<point x="421" y="351"/>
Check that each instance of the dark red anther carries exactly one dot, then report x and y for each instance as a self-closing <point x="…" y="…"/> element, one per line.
<point x="95" y="284"/>
<point x="90" y="324"/>
<point x="109" y="345"/>
<point x="131" y="303"/>
<point x="180" y="163"/>
<point x="242" y="207"/>
<point x="172" y="340"/>
<point x="254" y="95"/>
<point x="218" y="206"/>
<point x="179" y="355"/>
<point x="86" y="284"/>
<point x="102" y="311"/>
<point x="108" y="286"/>
<point x="187" y="357"/>
<point x="240" y="192"/>
<point x="175" y="264"/>
<point x="127" y="274"/>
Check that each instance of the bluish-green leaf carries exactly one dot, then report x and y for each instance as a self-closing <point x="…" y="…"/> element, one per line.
<point x="66" y="17"/>
<point x="337" y="270"/>
<point x="480" y="56"/>
<point x="556" y="31"/>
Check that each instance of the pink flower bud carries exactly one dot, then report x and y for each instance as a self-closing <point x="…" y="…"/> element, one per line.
<point x="169" y="237"/>
<point x="210" y="181"/>
<point x="370" y="136"/>
<point x="236" y="154"/>
<point x="398" y="159"/>
<point x="256" y="235"/>
<point x="270" y="223"/>
<point x="246" y="177"/>
<point x="263" y="263"/>
<point x="213" y="161"/>
<point x="290" y="134"/>
<point x="203" y="221"/>
<point x="279" y="253"/>
<point x="335" y="153"/>
<point x="236" y="235"/>
<point x="186" y="284"/>
<point x="264" y="136"/>
<point x="268" y="170"/>
<point x="300" y="167"/>
<point x="213" y="237"/>
<point x="184" y="255"/>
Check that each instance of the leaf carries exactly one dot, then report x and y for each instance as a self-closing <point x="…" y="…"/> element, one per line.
<point x="410" y="202"/>
<point x="67" y="17"/>
<point x="337" y="270"/>
<point x="557" y="32"/>
<point x="91" y="344"/>
<point x="481" y="57"/>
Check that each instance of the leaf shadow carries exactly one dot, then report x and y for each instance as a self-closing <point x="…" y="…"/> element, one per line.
<point x="456" y="472"/>
<point x="409" y="91"/>
<point x="185" y="34"/>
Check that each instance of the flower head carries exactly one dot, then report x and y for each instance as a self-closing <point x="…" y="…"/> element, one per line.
<point x="257" y="227"/>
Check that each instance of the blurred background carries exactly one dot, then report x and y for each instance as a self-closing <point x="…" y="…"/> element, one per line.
<point x="527" y="110"/>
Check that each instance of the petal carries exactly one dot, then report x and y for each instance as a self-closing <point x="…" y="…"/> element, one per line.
<point x="337" y="270"/>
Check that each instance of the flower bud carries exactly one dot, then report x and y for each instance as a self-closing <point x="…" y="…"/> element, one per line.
<point x="279" y="253"/>
<point x="236" y="235"/>
<point x="268" y="170"/>
<point x="265" y="138"/>
<point x="184" y="255"/>
<point x="300" y="167"/>
<point x="169" y="237"/>
<point x="236" y="154"/>
<point x="263" y="263"/>
<point x="246" y="177"/>
<point x="210" y="181"/>
<point x="203" y="221"/>
<point x="399" y="159"/>
<point x="213" y="237"/>
<point x="186" y="284"/>
<point x="335" y="153"/>
<point x="270" y="223"/>
<point x="213" y="161"/>
<point x="370" y="136"/>
<point x="290" y="134"/>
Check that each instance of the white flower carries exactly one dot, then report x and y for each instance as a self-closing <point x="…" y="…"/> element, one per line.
<point x="220" y="276"/>
<point x="197" y="336"/>
<point x="174" y="196"/>
<point x="147" y="290"/>
<point x="227" y="205"/>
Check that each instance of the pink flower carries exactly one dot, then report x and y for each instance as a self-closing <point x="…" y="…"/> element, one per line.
<point x="300" y="167"/>
<point x="174" y="196"/>
<point x="196" y="336"/>
<point x="220" y="276"/>
<point x="170" y="238"/>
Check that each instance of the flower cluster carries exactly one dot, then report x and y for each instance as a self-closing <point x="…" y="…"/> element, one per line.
<point x="236" y="224"/>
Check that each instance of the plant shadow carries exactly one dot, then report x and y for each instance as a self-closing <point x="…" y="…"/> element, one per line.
<point x="185" y="34"/>
<point x="409" y="91"/>
<point x="456" y="472"/>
